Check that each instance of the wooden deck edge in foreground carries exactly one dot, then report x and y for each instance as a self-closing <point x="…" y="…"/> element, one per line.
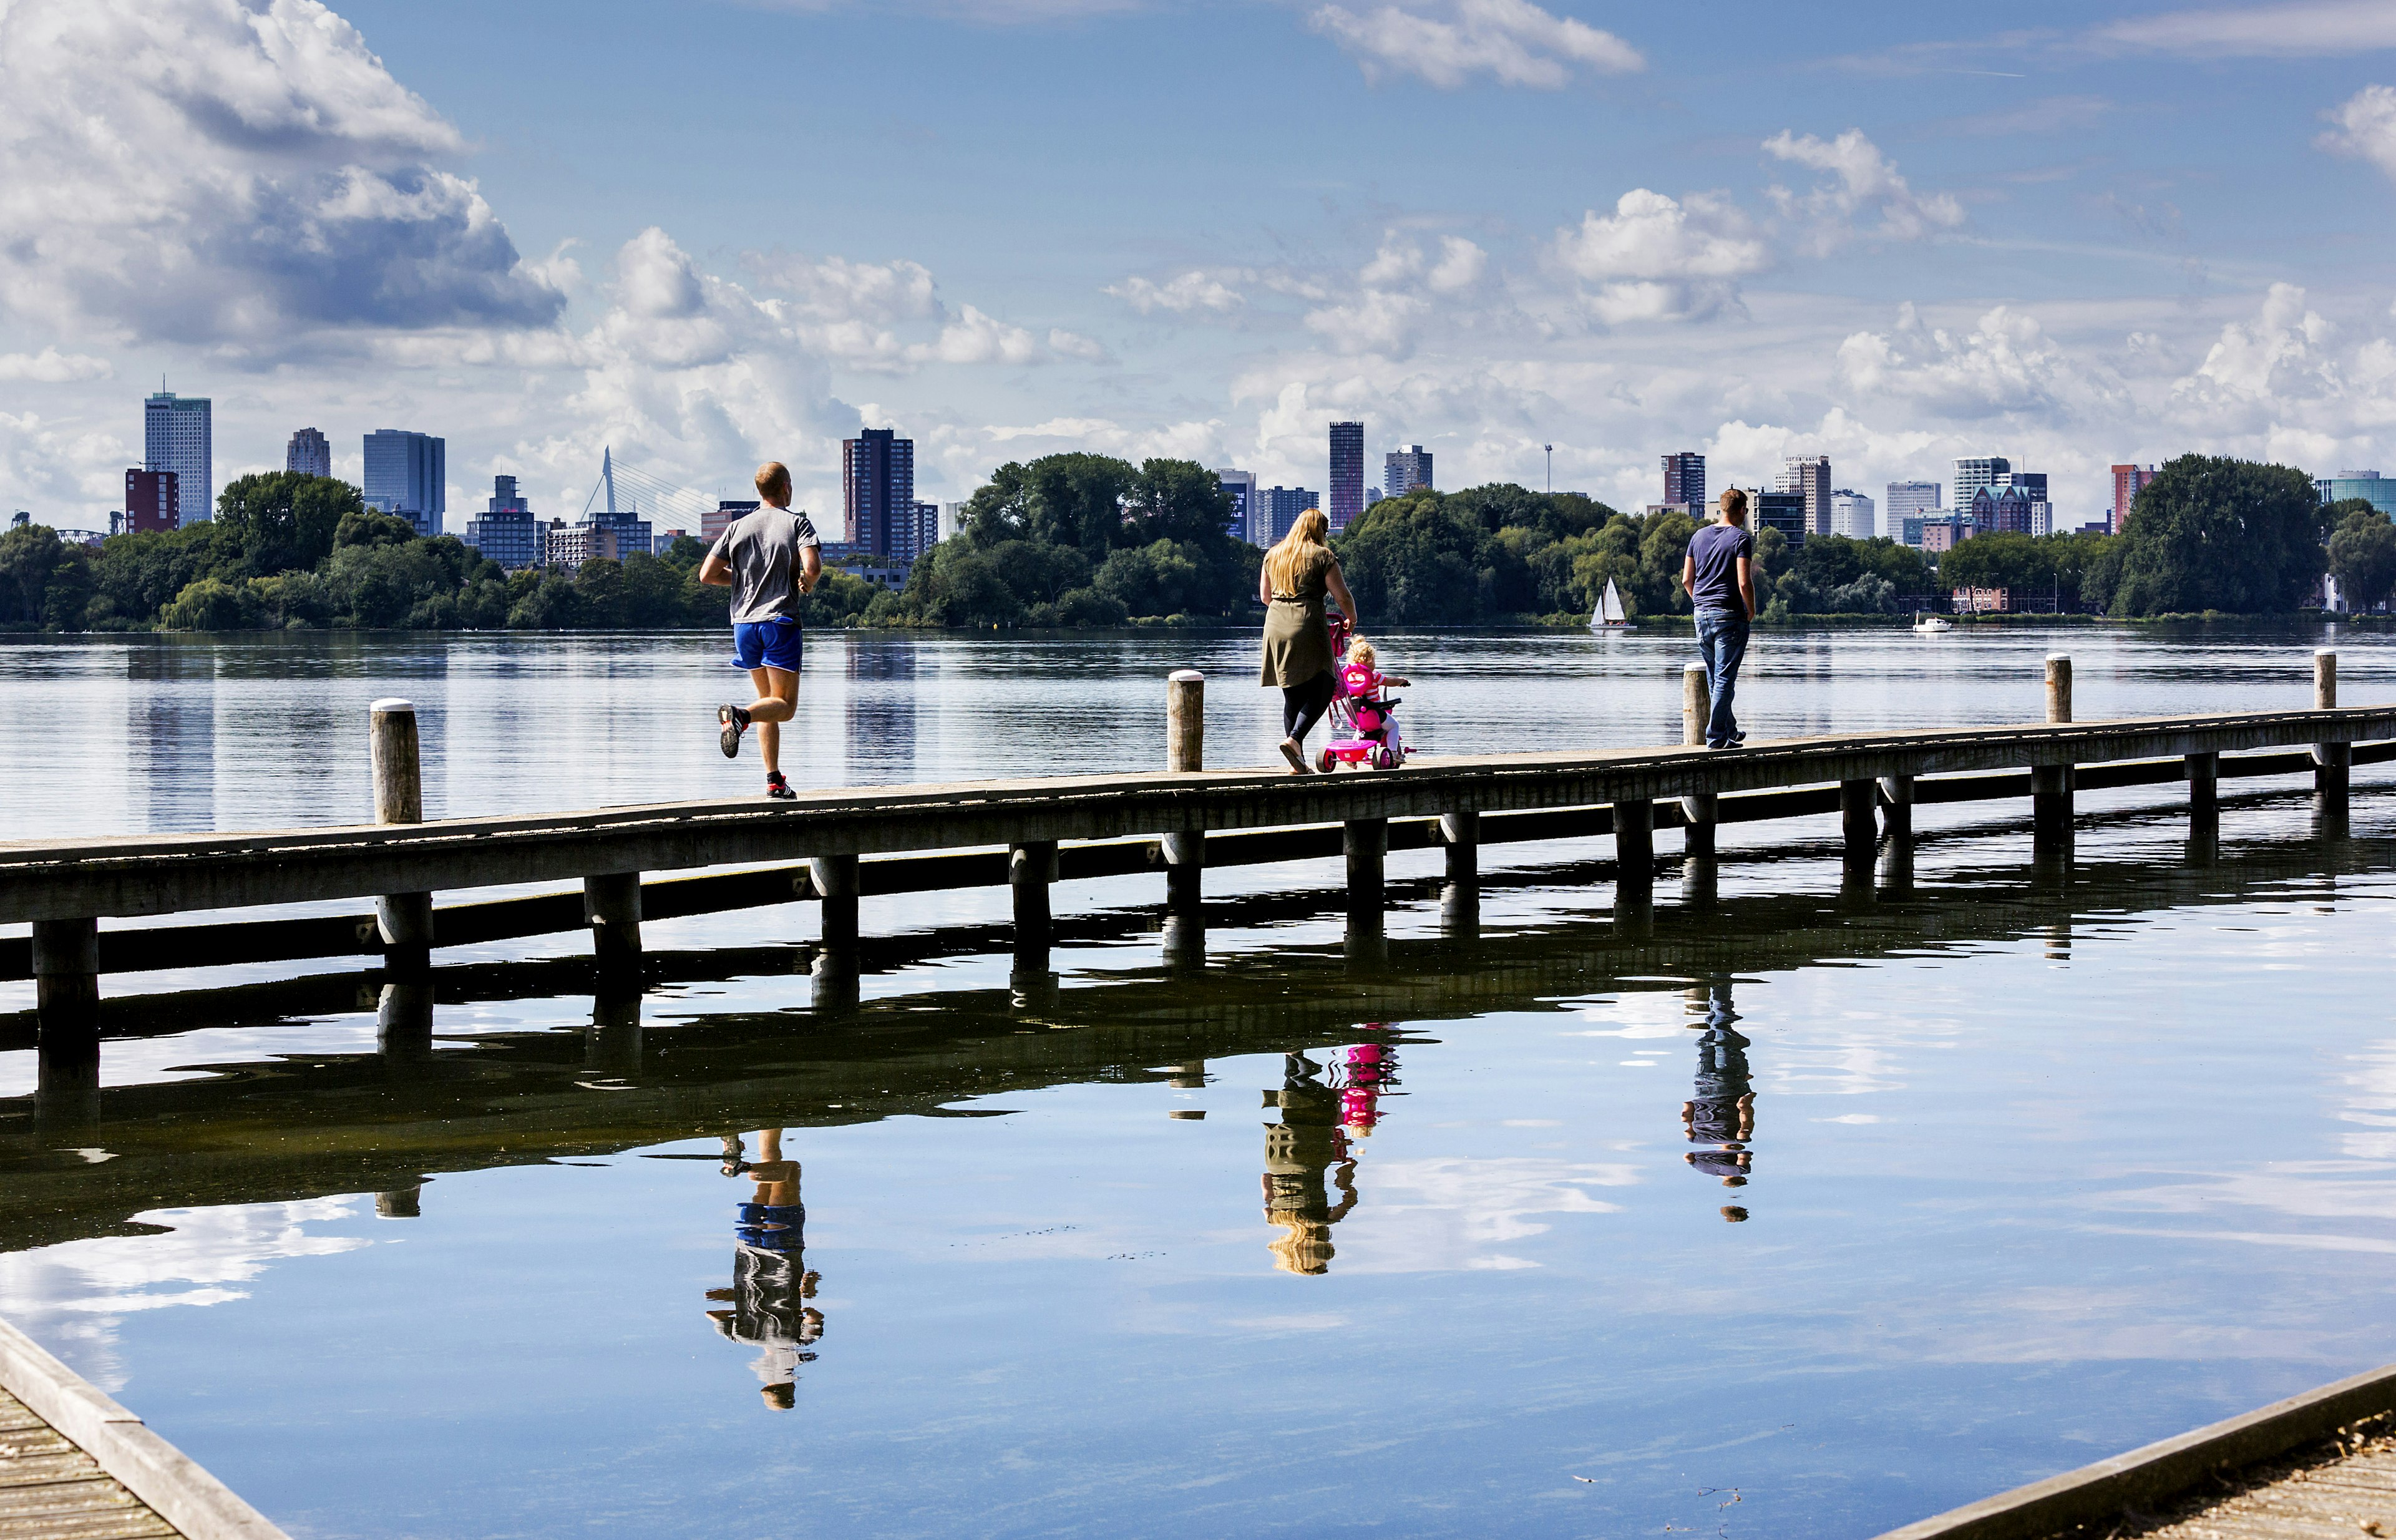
<point x="170" y="1482"/>
<point x="2160" y="1471"/>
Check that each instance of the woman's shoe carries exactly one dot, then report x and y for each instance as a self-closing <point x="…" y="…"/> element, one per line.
<point x="1291" y="752"/>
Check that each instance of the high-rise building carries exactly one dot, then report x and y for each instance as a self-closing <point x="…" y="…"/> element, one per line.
<point x="1242" y="486"/>
<point x="176" y="436"/>
<point x="923" y="533"/>
<point x="877" y="482"/>
<point x="1281" y="506"/>
<point x="1346" y="473"/>
<point x="407" y="475"/>
<point x="1909" y="502"/>
<point x="714" y="522"/>
<point x="952" y="520"/>
<point x="1973" y="474"/>
<point x="2129" y="479"/>
<point x="152" y="501"/>
<point x="1684" y="478"/>
<point x="1783" y="511"/>
<point x="2007" y="510"/>
<point x="1404" y="469"/>
<point x="1852" y="514"/>
<point x="1809" y="475"/>
<point x="506" y="532"/>
<point x="308" y="454"/>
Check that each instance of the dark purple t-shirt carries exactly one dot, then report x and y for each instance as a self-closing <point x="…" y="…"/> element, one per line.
<point x="1716" y="550"/>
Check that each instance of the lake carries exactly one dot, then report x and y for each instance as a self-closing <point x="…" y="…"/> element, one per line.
<point x="1789" y="1212"/>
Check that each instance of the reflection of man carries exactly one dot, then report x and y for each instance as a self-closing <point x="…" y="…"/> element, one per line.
<point x="1308" y="1142"/>
<point x="770" y="1284"/>
<point x="1720" y="1113"/>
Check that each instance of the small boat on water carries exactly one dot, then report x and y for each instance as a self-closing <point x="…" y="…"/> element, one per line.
<point x="1931" y="625"/>
<point x="1610" y="613"/>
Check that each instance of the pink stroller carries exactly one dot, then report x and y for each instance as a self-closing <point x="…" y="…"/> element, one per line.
<point x="1364" y="730"/>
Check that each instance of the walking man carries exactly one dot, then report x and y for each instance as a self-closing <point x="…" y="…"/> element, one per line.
<point x="769" y="559"/>
<point x="1719" y="575"/>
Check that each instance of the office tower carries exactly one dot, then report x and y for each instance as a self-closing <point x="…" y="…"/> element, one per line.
<point x="1852" y="514"/>
<point x="877" y="492"/>
<point x="1783" y="511"/>
<point x="506" y="532"/>
<point x="1242" y="486"/>
<point x="152" y="501"/>
<point x="176" y="436"/>
<point x="1809" y="475"/>
<point x="1973" y="474"/>
<point x="714" y="522"/>
<point x="1909" y="502"/>
<point x="2129" y="479"/>
<point x="1346" y="473"/>
<point x="952" y="520"/>
<point x="923" y="532"/>
<point x="2006" y="511"/>
<point x="407" y="475"/>
<point x="308" y="454"/>
<point x="1282" y="505"/>
<point x="1404" y="469"/>
<point x="1684" y="480"/>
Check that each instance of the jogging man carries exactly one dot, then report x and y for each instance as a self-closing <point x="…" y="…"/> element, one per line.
<point x="1718" y="574"/>
<point x="769" y="559"/>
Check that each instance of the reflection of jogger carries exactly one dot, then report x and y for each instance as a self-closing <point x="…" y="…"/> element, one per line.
<point x="1306" y="1142"/>
<point x="1720" y="1113"/>
<point x="770" y="1284"/>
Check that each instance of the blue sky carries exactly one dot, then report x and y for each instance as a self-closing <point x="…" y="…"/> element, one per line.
<point x="710" y="232"/>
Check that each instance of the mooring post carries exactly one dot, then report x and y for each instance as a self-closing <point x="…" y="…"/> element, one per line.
<point x="1184" y="749"/>
<point x="1698" y="810"/>
<point x="1634" y="840"/>
<point x="2058" y="688"/>
<point x="404" y="920"/>
<point x="1366" y="842"/>
<point x="2333" y="763"/>
<point x="1897" y="807"/>
<point x="1859" y="820"/>
<point x="66" y="1017"/>
<point x="611" y="907"/>
<point x="1031" y="866"/>
<point x="2050" y="785"/>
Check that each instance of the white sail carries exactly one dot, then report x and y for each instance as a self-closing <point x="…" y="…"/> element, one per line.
<point x="1609" y="608"/>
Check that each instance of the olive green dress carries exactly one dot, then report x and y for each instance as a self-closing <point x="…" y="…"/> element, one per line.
<point x="1298" y="641"/>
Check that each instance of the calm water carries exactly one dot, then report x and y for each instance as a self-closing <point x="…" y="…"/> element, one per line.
<point x="2035" y="1166"/>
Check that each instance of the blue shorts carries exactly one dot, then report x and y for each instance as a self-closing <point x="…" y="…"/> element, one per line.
<point x="768" y="644"/>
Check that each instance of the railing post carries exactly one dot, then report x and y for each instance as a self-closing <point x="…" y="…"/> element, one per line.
<point x="1184" y="749"/>
<point x="611" y="906"/>
<point x="2058" y="688"/>
<point x="2333" y="763"/>
<point x="403" y="920"/>
<point x="1031" y="866"/>
<point x="1366" y="842"/>
<point x="1700" y="810"/>
<point x="66" y="1016"/>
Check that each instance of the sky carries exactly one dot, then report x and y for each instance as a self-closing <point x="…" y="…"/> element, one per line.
<point x="712" y="233"/>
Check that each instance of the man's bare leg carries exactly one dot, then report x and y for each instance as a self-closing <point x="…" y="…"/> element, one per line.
<point x="777" y="698"/>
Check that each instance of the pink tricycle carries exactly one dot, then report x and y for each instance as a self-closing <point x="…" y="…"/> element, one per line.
<point x="1364" y="730"/>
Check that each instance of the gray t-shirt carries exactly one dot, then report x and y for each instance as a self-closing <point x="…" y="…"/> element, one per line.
<point x="763" y="550"/>
<point x="1715" y="551"/>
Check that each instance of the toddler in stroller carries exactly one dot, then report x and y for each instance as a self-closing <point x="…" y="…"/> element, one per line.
<point x="1364" y="726"/>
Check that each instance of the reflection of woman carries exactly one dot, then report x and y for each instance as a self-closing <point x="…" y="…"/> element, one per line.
<point x="770" y="1284"/>
<point x="1299" y="1149"/>
<point x="1297" y="575"/>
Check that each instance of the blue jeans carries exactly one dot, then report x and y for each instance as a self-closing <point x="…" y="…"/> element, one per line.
<point x="1722" y="642"/>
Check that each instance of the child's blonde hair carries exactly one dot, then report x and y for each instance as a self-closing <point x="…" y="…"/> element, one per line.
<point x="1361" y="652"/>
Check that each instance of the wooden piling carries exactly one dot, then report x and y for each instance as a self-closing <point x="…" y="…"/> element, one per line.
<point x="1634" y="840"/>
<point x="1897" y="807"/>
<point x="1031" y="867"/>
<point x="834" y="881"/>
<point x="1858" y="821"/>
<point x="2050" y="807"/>
<point x="66" y="994"/>
<point x="2058" y="688"/>
<point x="611" y="907"/>
<point x="404" y="1020"/>
<point x="1366" y="844"/>
<point x="1184" y="749"/>
<point x="403" y="920"/>
<point x="1459" y="835"/>
<point x="2203" y="785"/>
<point x="1699" y="812"/>
<point x="2332" y="762"/>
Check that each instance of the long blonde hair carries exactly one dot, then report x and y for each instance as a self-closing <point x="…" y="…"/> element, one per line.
<point x="1282" y="560"/>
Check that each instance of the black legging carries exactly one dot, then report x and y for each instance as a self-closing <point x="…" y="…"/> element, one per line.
<point x="1302" y="705"/>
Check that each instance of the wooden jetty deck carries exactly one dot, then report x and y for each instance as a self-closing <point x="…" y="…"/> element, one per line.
<point x="75" y="1466"/>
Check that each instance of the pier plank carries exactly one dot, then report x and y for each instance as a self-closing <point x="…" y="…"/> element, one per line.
<point x="50" y="1490"/>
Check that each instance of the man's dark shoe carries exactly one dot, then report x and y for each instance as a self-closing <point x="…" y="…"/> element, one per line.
<point x="736" y="722"/>
<point x="779" y="789"/>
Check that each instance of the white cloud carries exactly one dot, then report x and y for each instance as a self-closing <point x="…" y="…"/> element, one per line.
<point x="1862" y="179"/>
<point x="2306" y="27"/>
<point x="2282" y="352"/>
<point x="1449" y="42"/>
<point x="1396" y="293"/>
<point x="2005" y="363"/>
<point x="1190" y="291"/>
<point x="1656" y="259"/>
<point x="2366" y="126"/>
<point x="1377" y="321"/>
<point x="52" y="368"/>
<point x="232" y="173"/>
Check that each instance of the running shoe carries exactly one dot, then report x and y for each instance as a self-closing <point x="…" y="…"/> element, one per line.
<point x="736" y="722"/>
<point x="779" y="789"/>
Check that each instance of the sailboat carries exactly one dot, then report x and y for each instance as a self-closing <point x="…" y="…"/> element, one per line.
<point x="1610" y="613"/>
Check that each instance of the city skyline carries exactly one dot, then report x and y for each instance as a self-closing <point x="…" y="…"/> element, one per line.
<point x="1763" y="268"/>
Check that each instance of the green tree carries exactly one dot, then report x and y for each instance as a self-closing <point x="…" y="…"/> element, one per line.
<point x="28" y="557"/>
<point x="2363" y="553"/>
<point x="2216" y="534"/>
<point x="215" y="605"/>
<point x="283" y="521"/>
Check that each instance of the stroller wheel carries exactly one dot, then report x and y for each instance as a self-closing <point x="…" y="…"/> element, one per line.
<point x="1324" y="763"/>
<point x="1385" y="758"/>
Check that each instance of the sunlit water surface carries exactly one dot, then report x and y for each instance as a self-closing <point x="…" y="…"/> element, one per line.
<point x="2036" y="1166"/>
